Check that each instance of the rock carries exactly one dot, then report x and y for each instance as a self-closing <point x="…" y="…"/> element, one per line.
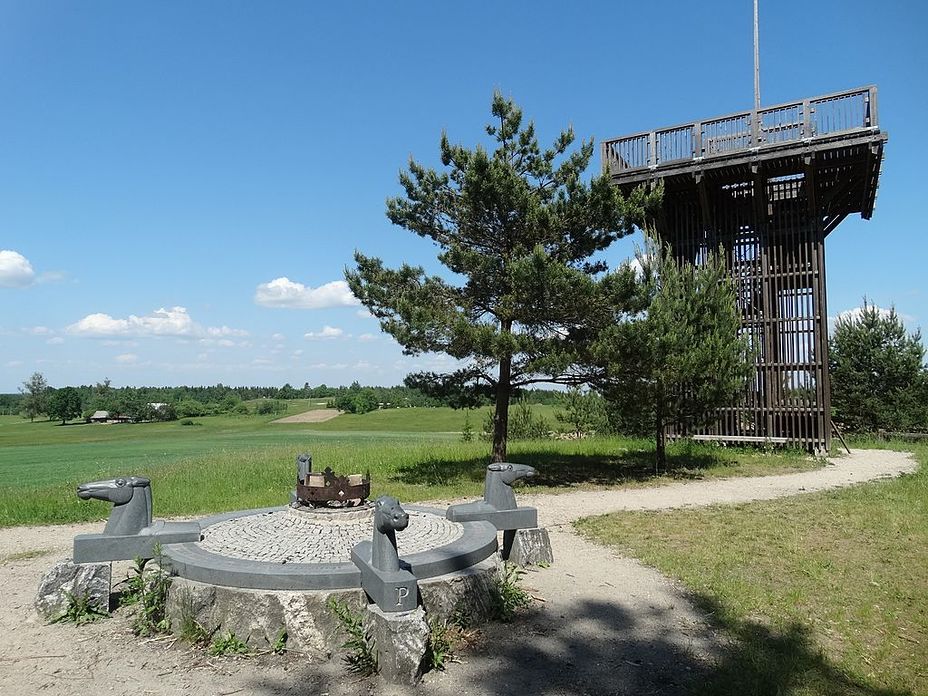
<point x="531" y="547"/>
<point x="400" y="638"/>
<point x="257" y="617"/>
<point x="76" y="579"/>
<point x="467" y="594"/>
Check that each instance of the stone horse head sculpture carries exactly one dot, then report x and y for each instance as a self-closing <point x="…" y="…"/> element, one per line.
<point x="131" y="498"/>
<point x="497" y="488"/>
<point x="389" y="518"/>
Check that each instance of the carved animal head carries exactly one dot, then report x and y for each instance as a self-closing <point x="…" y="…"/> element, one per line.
<point x="117" y="491"/>
<point x="389" y="515"/>
<point x="510" y="473"/>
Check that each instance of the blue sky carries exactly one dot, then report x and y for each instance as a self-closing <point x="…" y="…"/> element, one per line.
<point x="163" y="164"/>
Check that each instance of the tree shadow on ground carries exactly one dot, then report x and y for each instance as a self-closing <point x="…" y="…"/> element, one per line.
<point x="559" y="470"/>
<point x="602" y="648"/>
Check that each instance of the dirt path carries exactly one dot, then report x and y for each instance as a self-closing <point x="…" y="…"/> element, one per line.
<point x="319" y="415"/>
<point x="607" y="625"/>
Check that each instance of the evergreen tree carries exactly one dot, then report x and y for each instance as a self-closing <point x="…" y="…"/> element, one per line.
<point x="520" y="229"/>
<point x="34" y="396"/>
<point x="683" y="357"/>
<point x="878" y="376"/>
<point x="64" y="404"/>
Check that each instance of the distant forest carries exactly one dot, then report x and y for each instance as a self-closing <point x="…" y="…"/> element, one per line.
<point x="219" y="398"/>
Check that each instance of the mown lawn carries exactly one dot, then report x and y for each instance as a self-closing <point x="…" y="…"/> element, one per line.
<point x="824" y="593"/>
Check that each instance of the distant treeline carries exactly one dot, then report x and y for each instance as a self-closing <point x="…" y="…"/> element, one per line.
<point x="186" y="401"/>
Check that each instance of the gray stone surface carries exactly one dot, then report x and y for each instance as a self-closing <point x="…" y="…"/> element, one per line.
<point x="473" y="542"/>
<point x="400" y="639"/>
<point x="294" y="536"/>
<point x="258" y="616"/>
<point x="78" y="579"/>
<point x="466" y="595"/>
<point x="388" y="582"/>
<point x="498" y="506"/>
<point x="129" y="531"/>
<point x="531" y="547"/>
<point x="91" y="548"/>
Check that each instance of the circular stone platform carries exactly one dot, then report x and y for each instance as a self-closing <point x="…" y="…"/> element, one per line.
<point x="294" y="536"/>
<point x="291" y="549"/>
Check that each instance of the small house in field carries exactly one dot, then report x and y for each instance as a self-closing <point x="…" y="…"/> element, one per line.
<point x="107" y="417"/>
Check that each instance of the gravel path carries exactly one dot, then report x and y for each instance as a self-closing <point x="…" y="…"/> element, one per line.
<point x="607" y="625"/>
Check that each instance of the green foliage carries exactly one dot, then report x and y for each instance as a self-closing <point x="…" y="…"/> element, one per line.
<point x="509" y="596"/>
<point x="684" y="356"/>
<point x="440" y="647"/>
<point x="467" y="430"/>
<point x="524" y="423"/>
<point x="361" y="657"/>
<point x="583" y="412"/>
<point x="227" y="645"/>
<point x="80" y="610"/>
<point x="188" y="408"/>
<point x="521" y="227"/>
<point x="134" y="583"/>
<point x="64" y="404"/>
<point x="357" y="399"/>
<point x="191" y="630"/>
<point x="153" y="585"/>
<point x="279" y="646"/>
<point x="270" y="406"/>
<point x="878" y="377"/>
<point x="33" y="402"/>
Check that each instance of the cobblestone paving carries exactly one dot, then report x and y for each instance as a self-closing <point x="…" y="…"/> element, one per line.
<point x="286" y="537"/>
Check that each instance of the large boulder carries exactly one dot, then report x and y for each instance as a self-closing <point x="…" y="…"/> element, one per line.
<point x="68" y="579"/>
<point x="400" y="639"/>
<point x="258" y="617"/>
<point x="531" y="547"/>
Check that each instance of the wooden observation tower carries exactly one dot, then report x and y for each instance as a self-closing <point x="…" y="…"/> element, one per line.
<point x="767" y="186"/>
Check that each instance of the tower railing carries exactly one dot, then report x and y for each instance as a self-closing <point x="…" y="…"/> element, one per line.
<point x="745" y="131"/>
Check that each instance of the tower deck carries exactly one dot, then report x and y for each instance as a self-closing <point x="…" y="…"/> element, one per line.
<point x="767" y="187"/>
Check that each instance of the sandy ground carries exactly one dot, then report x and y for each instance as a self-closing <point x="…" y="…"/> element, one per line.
<point x="604" y="624"/>
<point x="319" y="415"/>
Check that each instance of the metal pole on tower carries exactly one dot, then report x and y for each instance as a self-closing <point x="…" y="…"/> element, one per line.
<point x="756" y="62"/>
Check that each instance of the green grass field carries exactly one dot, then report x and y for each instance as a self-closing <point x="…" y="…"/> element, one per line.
<point x="234" y="462"/>
<point x="823" y="594"/>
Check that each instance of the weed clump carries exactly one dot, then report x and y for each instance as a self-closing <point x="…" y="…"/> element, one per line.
<point x="362" y="653"/>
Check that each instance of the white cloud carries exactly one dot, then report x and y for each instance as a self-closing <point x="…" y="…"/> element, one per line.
<point x="14" y="363"/>
<point x="162" y="322"/>
<point x="55" y="341"/>
<point x="225" y="331"/>
<point x="367" y="337"/>
<point x="364" y="314"/>
<point x="283" y="292"/>
<point x="329" y="366"/>
<point x="38" y="330"/>
<point x="15" y="270"/>
<point x="328" y="332"/>
<point x="854" y="314"/>
<point x="278" y="337"/>
<point x="127" y="358"/>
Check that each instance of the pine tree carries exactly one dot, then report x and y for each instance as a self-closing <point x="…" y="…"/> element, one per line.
<point x="684" y="356"/>
<point x="520" y="229"/>
<point x="878" y="376"/>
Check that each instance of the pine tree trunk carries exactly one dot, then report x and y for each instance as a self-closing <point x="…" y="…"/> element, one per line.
<point x="501" y="416"/>
<point x="661" y="453"/>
